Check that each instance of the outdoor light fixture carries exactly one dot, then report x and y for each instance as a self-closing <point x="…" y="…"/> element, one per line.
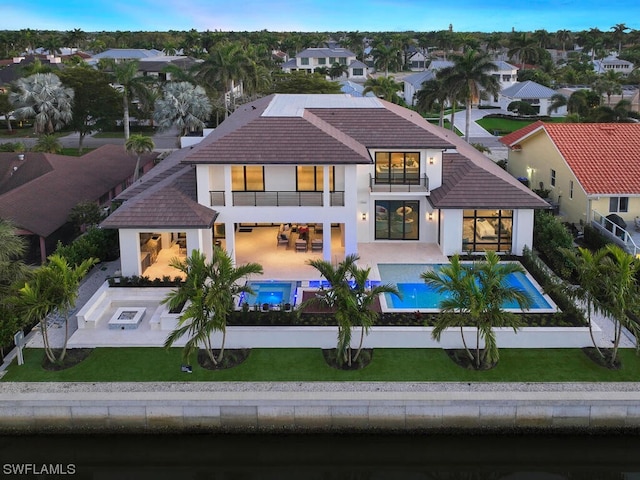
<point x="364" y="216"/>
<point x="431" y="160"/>
<point x="430" y="216"/>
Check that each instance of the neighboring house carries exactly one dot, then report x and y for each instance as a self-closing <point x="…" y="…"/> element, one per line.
<point x="38" y="190"/>
<point x="591" y="169"/>
<point x="361" y="170"/>
<point x="413" y="83"/>
<point x="536" y="95"/>
<point x="417" y="59"/>
<point x="15" y="67"/>
<point x="154" y="66"/>
<point x="612" y="63"/>
<point x="310" y="59"/>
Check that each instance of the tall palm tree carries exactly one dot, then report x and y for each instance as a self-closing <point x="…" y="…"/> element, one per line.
<point x="182" y="105"/>
<point x="52" y="288"/>
<point x="227" y="65"/>
<point x="43" y="98"/>
<point x="138" y="144"/>
<point x="526" y="49"/>
<point x="383" y="87"/>
<point x="619" y="279"/>
<point x="470" y="75"/>
<point x="564" y="36"/>
<point x="129" y="83"/>
<point x="619" y="31"/>
<point x="351" y="301"/>
<point x="476" y="297"/>
<point x="337" y="70"/>
<point x="209" y="289"/>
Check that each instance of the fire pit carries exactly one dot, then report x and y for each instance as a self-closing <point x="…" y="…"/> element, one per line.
<point x="126" y="318"/>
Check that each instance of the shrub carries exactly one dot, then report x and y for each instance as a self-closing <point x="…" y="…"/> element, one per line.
<point x="549" y="237"/>
<point x="593" y="239"/>
<point x="96" y="242"/>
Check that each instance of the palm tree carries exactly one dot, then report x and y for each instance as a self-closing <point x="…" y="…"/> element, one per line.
<point x="564" y="36"/>
<point x="48" y="144"/>
<point x="129" y="83"/>
<point x="618" y="34"/>
<point x="525" y="49"/>
<point x="43" y="98"/>
<point x="588" y="270"/>
<point x="386" y="57"/>
<point x="477" y="294"/>
<point x="6" y="109"/>
<point x="182" y="105"/>
<point x="227" y="65"/>
<point x="383" y="87"/>
<point x="619" y="113"/>
<point x="337" y="70"/>
<point x="209" y="290"/>
<point x="138" y="144"/>
<point x="558" y="100"/>
<point x="434" y="93"/>
<point x="620" y="292"/>
<point x="12" y="249"/>
<point x="52" y="288"/>
<point x="352" y="304"/>
<point x="471" y="73"/>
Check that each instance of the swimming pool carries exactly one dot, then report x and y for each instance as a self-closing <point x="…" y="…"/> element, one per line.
<point x="270" y="292"/>
<point x="416" y="295"/>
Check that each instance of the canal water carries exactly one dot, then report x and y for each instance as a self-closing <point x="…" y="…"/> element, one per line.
<point x="323" y="456"/>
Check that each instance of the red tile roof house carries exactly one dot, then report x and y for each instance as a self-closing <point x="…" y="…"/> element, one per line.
<point x="38" y="190"/>
<point x="370" y="171"/>
<point x="591" y="169"/>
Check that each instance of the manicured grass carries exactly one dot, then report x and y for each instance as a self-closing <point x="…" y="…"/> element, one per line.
<point x="149" y="132"/>
<point x="291" y="364"/>
<point x="505" y="126"/>
<point x="74" y="152"/>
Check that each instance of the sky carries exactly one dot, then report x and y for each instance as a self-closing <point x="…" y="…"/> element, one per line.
<point x="319" y="15"/>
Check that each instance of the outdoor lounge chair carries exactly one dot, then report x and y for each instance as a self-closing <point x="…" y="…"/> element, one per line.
<point x="301" y="245"/>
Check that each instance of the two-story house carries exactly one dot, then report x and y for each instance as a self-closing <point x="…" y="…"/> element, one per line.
<point x="325" y="175"/>
<point x="311" y="59"/>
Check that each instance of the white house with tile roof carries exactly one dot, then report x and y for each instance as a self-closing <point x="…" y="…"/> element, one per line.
<point x="538" y="96"/>
<point x="328" y="174"/>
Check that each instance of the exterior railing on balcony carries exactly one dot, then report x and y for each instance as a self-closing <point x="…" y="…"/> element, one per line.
<point x="418" y="184"/>
<point x="615" y="232"/>
<point x="277" y="199"/>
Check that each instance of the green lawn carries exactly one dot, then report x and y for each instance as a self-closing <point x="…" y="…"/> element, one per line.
<point x="505" y="126"/>
<point x="291" y="364"/>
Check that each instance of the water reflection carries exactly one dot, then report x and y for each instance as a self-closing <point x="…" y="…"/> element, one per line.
<point x="329" y="457"/>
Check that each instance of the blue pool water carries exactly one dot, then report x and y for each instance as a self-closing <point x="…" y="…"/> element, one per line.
<point x="417" y="295"/>
<point x="273" y="293"/>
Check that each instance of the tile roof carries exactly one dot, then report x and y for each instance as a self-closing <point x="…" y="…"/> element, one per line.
<point x="325" y="52"/>
<point x="169" y="203"/>
<point x="604" y="157"/>
<point x="471" y="180"/>
<point x="42" y="191"/>
<point x="279" y="129"/>
<point x="527" y="89"/>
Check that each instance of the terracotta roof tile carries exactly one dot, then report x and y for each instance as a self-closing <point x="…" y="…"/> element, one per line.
<point x="604" y="157"/>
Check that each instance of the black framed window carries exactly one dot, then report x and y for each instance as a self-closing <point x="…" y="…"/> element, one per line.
<point x="398" y="167"/>
<point x="247" y="178"/>
<point x="485" y="230"/>
<point x="310" y="178"/>
<point x="397" y="219"/>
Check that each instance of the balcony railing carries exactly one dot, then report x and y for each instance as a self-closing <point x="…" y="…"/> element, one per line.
<point x="418" y="184"/>
<point x="277" y="199"/>
<point x="614" y="232"/>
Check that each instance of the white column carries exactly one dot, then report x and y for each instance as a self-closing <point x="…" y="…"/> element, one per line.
<point x="129" y="252"/>
<point x="230" y="239"/>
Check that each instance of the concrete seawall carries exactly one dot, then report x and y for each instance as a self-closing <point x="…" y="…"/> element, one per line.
<point x="316" y="407"/>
